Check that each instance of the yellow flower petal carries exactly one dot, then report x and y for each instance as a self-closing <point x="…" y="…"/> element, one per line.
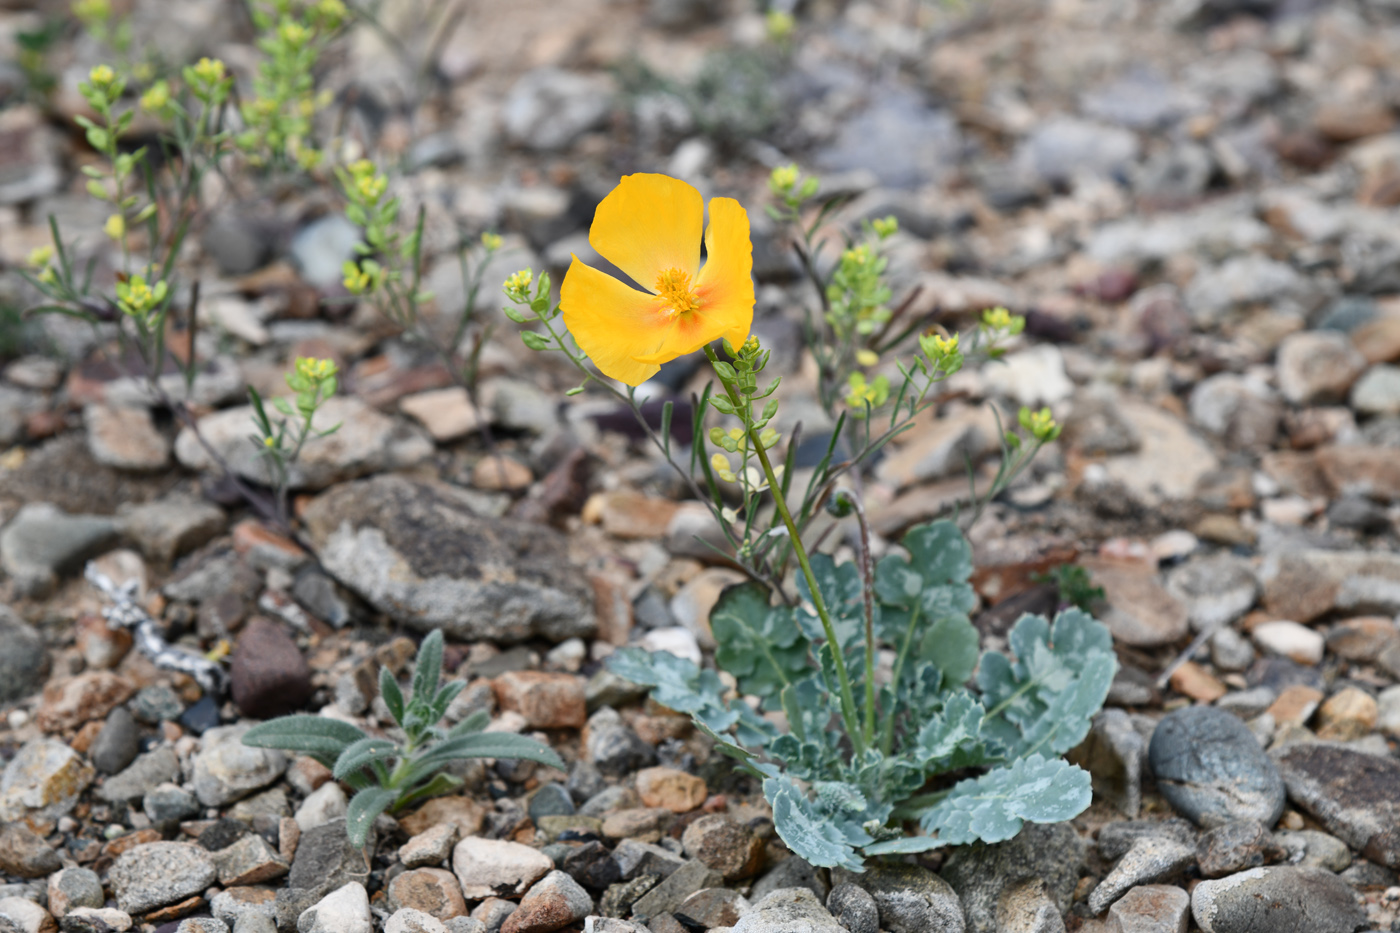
<point x="613" y="323"/>
<point x="650" y="224"/>
<point x="725" y="285"/>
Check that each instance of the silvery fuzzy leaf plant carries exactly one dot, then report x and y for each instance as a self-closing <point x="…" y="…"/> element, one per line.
<point x="393" y="775"/>
<point x="839" y="796"/>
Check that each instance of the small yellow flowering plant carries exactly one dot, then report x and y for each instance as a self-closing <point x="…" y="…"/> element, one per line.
<point x="313" y="382"/>
<point x="864" y="746"/>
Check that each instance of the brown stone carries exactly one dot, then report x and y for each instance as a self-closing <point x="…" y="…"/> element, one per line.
<point x="711" y="907"/>
<point x="1348" y="714"/>
<point x="24" y="852"/>
<point x="627" y="514"/>
<point x="101" y="646"/>
<point x="1344" y="121"/>
<point x="463" y="811"/>
<point x="268" y="676"/>
<point x="1303" y="585"/>
<point x="1142" y="613"/>
<point x="434" y="891"/>
<point x="613" y="607"/>
<point x="130" y="841"/>
<point x="671" y="789"/>
<point x="1357" y="470"/>
<point x="1361" y="638"/>
<point x="727" y="846"/>
<point x="501" y="474"/>
<point x="1379" y="339"/>
<point x="69" y="703"/>
<point x="175" y="911"/>
<point x="644" y="824"/>
<point x="546" y="700"/>
<point x="1352" y="794"/>
<point x="1296" y="705"/>
<point x="1194" y="681"/>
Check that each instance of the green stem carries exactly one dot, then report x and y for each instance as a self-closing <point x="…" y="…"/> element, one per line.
<point x="848" y="702"/>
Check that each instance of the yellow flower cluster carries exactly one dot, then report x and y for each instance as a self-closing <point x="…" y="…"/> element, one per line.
<point x="517" y="287"/>
<point x="136" y="297"/>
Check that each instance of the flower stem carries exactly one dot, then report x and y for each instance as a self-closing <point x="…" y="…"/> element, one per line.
<point x="848" y="702"/>
<point x="867" y="571"/>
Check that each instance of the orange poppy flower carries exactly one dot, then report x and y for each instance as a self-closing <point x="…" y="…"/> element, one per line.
<point x="649" y="227"/>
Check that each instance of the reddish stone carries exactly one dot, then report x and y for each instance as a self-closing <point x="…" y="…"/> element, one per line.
<point x="268" y="676"/>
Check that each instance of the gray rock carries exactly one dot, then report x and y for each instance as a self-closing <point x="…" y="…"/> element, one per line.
<point x="159" y="873"/>
<point x="1352" y="794"/>
<point x="1113" y="754"/>
<point x="1230" y="651"/>
<point x="1211" y="769"/>
<point x="551" y="800"/>
<point x="614" y="747"/>
<point x="789" y="910"/>
<point x="233" y="907"/>
<point x="125" y="438"/>
<point x="367" y="441"/>
<point x="168" y="528"/>
<point x="42" y="543"/>
<point x="20" y="915"/>
<point x="911" y="899"/>
<point x="897" y="137"/>
<point x="499" y="579"/>
<point x="16" y="405"/>
<point x="320" y="249"/>
<point x="1247" y="280"/>
<point x="472" y="925"/>
<point x="408" y="920"/>
<point x="548" y="109"/>
<point x="1150" y="908"/>
<point x="635" y="859"/>
<point x="981" y="873"/>
<point x="1358" y="514"/>
<point x="854" y="908"/>
<point x="1115" y="839"/>
<point x="326" y="860"/>
<point x="554" y="900"/>
<point x="255" y="923"/>
<point x="1216" y="590"/>
<point x="1151" y="859"/>
<point x="290" y="904"/>
<point x="1267" y="900"/>
<point x="237" y="242"/>
<point x="1377" y="392"/>
<point x="219" y="381"/>
<point x="73" y="888"/>
<point x="1234" y="847"/>
<point x="344" y="910"/>
<point x="226" y="770"/>
<point x="1062" y="147"/>
<point x="24" y="662"/>
<point x="1175" y="176"/>
<point x="142" y="776"/>
<point x="670" y="891"/>
<point x="169" y="803"/>
<point x="250" y="860"/>
<point x="1141" y="99"/>
<point x="156" y="704"/>
<point x="792" y="872"/>
<point x="1309" y="848"/>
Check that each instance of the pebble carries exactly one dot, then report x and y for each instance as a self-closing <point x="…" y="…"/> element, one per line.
<point x="96" y="920"/>
<point x="592" y="866"/>
<point x="670" y="789"/>
<point x="1348" y="714"/>
<point x="125" y="438"/>
<point x="1210" y="768"/>
<point x="431" y="847"/>
<point x="792" y="872"/>
<point x="42" y="543"/>
<point x="24" y="663"/>
<point x="1296" y="705"/>
<point x="235" y="905"/>
<point x="158" y="766"/>
<point x="1289" y="640"/>
<point x="1388" y="711"/>
<point x="1352" y="794"/>
<point x="494" y="867"/>
<point x="1362" y="638"/>
<point x="1233" y="847"/>
<point x="328" y="802"/>
<point x="156" y="874"/>
<point x="1271" y="899"/>
<point x="636" y="858"/>
<point x="1317" y="367"/>
<point x="1150" y="908"/>
<point x="546" y="700"/>
<point x="709" y="908"/>
<point x="156" y="704"/>
<point x="668" y="894"/>
<point x="43" y="781"/>
<point x="24" y="852"/>
<point x="789" y="910"/>
<point x="725" y="845"/>
<point x="1318" y="850"/>
<point x="249" y="861"/>
<point x="553" y="902"/>
<point x="446" y="414"/>
<point x="202" y="925"/>
<point x="910" y="898"/>
<point x="434" y="891"/>
<point x="408" y="920"/>
<point x="1216" y="590"/>
<point x="1150" y="859"/>
<point x="344" y="910"/>
<point x="613" y="746"/>
<point x="169" y="803"/>
<point x="1230" y="651"/>
<point x="326" y="860"/>
<point x="226" y="770"/>
<point x="268" y="676"/>
<point x="74" y="888"/>
<point x="854" y="908"/>
<point x="21" y="915"/>
<point x="984" y="875"/>
<point x="492" y="912"/>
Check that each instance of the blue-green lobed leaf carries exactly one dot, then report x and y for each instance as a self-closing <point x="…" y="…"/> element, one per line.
<point x="993" y="807"/>
<point x="758" y="643"/>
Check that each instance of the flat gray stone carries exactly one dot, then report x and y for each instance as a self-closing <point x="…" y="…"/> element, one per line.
<point x="417" y="552"/>
<point x="789" y="910"/>
<point x="159" y="873"/>
<point x="1275" y="899"/>
<point x="42" y="543"/>
<point x="1355" y="796"/>
<point x="1211" y="769"/>
<point x="981" y="874"/>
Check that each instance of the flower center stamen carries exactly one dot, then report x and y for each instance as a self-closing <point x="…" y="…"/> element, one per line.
<point x="673" y="287"/>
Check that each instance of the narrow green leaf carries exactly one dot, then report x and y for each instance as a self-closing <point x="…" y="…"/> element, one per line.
<point x="322" y="738"/>
<point x="472" y="724"/>
<point x="427" y="672"/>
<point x="362" y="754"/>
<point x="491" y="745"/>
<point x="364" y="808"/>
<point x="393" y="696"/>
